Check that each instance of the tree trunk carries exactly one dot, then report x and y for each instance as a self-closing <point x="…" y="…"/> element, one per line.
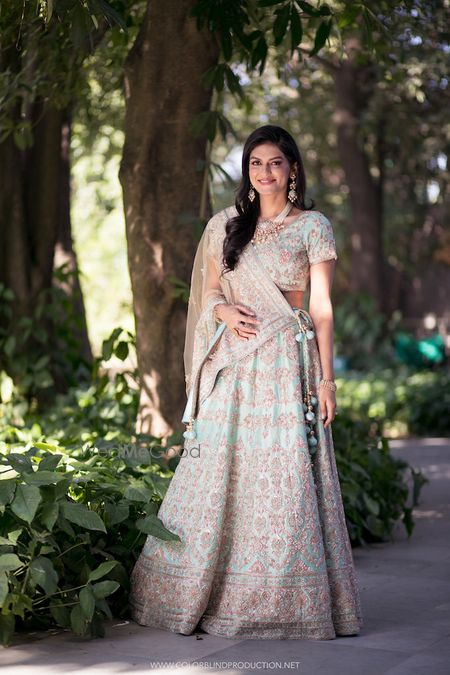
<point x="365" y="224"/>
<point x="161" y="175"/>
<point x="65" y="252"/>
<point x="31" y="206"/>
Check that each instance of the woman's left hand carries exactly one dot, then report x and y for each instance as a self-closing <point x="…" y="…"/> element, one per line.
<point x="327" y="405"/>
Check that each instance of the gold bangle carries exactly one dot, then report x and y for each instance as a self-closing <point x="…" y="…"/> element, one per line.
<point x="328" y="384"/>
<point x="215" y="311"/>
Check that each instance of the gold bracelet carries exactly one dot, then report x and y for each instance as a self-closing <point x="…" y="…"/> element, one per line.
<point x="328" y="384"/>
<point x="215" y="312"/>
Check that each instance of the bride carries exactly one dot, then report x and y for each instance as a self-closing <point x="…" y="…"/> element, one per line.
<point x="264" y="550"/>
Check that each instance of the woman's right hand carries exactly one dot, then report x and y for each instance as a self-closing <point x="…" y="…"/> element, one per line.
<point x="237" y="317"/>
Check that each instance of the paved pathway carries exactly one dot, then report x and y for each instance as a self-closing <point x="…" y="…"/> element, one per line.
<point x="405" y="594"/>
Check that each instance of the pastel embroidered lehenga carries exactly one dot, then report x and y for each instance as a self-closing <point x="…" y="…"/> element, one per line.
<point x="264" y="550"/>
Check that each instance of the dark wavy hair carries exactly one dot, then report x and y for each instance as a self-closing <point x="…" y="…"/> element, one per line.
<point x="240" y="229"/>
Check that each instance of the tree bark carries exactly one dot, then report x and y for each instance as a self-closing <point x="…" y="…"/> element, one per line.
<point x="365" y="224"/>
<point x="64" y="251"/>
<point x="161" y="175"/>
<point x="33" y="203"/>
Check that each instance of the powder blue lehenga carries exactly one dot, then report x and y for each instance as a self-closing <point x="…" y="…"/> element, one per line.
<point x="255" y="499"/>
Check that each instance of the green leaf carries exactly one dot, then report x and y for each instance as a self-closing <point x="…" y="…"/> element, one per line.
<point x="19" y="462"/>
<point x="321" y="36"/>
<point x="308" y="8"/>
<point x="42" y="362"/>
<point x="9" y="345"/>
<point x="104" y="607"/>
<point x="122" y="350"/>
<point x="81" y="515"/>
<point x="110" y="14"/>
<point x="4" y="587"/>
<point x="7" y="627"/>
<point x="49" y="514"/>
<point x="151" y="524"/>
<point x="49" y="10"/>
<point x="138" y="494"/>
<point x="87" y="602"/>
<point x="42" y="477"/>
<point x="47" y="446"/>
<point x="281" y="23"/>
<point x="49" y="462"/>
<point x="81" y="25"/>
<point x="296" y="29"/>
<point x="259" y="54"/>
<point x="78" y="621"/>
<point x="7" y="489"/>
<point x="102" y="569"/>
<point x="269" y="3"/>
<point x="60" y="613"/>
<point x="227" y="44"/>
<point x="349" y="15"/>
<point x="44" y="574"/>
<point x="26" y="502"/>
<point x="105" y="588"/>
<point x="9" y="562"/>
<point x="371" y="504"/>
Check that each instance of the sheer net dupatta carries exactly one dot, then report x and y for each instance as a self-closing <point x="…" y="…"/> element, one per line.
<point x="206" y="291"/>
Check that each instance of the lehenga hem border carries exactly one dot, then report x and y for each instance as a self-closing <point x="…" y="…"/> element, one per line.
<point x="257" y="630"/>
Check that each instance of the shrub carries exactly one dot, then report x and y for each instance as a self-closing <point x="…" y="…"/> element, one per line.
<point x="73" y="521"/>
<point x="375" y="485"/>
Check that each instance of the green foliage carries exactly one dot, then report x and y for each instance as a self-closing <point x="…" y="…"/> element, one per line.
<point x="56" y="37"/>
<point x="42" y="344"/>
<point x="79" y="492"/>
<point x="375" y="486"/>
<point x="422" y="402"/>
<point x="398" y="398"/>
<point x="72" y="516"/>
<point x="363" y="336"/>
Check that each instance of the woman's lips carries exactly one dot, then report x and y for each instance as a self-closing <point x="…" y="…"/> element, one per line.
<point x="267" y="182"/>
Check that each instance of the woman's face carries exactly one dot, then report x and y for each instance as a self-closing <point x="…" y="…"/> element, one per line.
<point x="268" y="169"/>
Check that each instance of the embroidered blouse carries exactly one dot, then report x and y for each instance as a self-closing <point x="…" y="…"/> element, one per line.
<point x="306" y="241"/>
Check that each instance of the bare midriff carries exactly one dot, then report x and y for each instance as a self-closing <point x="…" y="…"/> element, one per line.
<point x="294" y="298"/>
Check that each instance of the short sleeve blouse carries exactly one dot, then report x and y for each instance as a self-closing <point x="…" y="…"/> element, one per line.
<point x="319" y="239"/>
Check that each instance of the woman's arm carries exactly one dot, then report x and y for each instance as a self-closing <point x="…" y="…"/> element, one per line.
<point x="321" y="311"/>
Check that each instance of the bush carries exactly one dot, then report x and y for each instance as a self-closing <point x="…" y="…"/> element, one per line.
<point x="399" y="398"/>
<point x="73" y="521"/>
<point x="375" y="485"/>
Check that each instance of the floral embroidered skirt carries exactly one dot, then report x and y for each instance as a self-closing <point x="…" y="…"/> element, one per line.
<point x="264" y="550"/>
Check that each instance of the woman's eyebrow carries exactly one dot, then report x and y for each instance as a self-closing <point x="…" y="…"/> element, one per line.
<point x="271" y="158"/>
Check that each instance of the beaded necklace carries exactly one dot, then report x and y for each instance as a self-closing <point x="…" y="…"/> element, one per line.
<point x="266" y="229"/>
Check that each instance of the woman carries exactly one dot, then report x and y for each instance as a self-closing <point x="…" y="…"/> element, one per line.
<point x="255" y="500"/>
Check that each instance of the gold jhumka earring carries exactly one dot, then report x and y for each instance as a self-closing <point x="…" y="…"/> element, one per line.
<point x="292" y="196"/>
